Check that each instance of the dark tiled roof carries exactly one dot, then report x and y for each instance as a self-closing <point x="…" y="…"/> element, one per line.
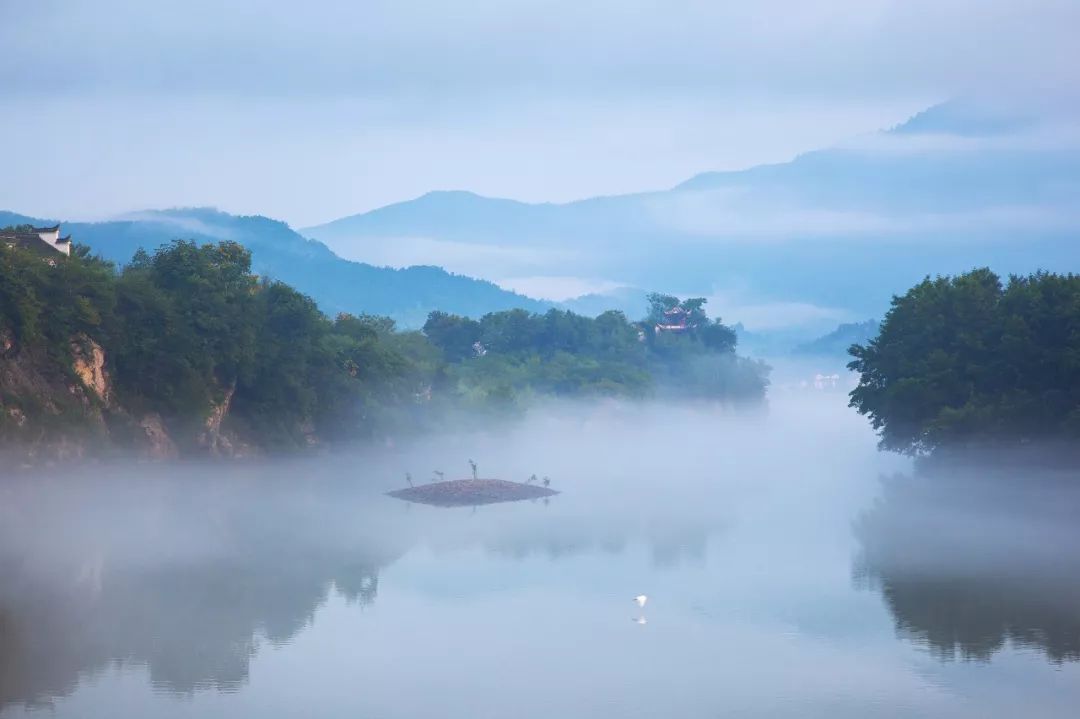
<point x="64" y="239"/>
<point x="22" y="238"/>
<point x="28" y="239"/>
<point x="47" y="229"/>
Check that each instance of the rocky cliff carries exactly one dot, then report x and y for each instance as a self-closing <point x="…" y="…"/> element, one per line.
<point x="60" y="406"/>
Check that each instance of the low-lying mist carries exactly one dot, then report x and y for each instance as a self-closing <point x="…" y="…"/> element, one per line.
<point x="83" y="541"/>
<point x="750" y="523"/>
<point x="972" y="560"/>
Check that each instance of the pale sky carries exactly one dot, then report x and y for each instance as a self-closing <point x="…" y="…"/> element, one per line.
<point x="311" y="111"/>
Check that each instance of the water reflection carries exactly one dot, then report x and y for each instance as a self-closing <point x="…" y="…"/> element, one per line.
<point x="567" y="534"/>
<point x="188" y="586"/>
<point x="971" y="561"/>
<point x="189" y="577"/>
<point x="296" y="589"/>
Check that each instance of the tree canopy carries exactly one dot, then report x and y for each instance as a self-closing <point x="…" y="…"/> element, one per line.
<point x="965" y="361"/>
<point x="516" y="353"/>
<point x="190" y="325"/>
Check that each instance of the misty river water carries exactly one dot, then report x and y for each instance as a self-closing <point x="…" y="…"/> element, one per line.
<point x="791" y="571"/>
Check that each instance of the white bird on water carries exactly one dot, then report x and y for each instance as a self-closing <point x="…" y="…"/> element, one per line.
<point x="641" y="599"/>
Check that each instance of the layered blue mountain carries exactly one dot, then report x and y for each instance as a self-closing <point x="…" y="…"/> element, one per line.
<point x="843" y="228"/>
<point x="837" y="342"/>
<point x="278" y="252"/>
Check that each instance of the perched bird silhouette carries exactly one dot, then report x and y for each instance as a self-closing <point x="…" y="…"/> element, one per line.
<point x="408" y="478"/>
<point x="547" y="481"/>
<point x="440" y="475"/>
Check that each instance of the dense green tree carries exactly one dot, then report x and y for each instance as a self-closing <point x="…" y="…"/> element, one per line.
<point x="658" y="305"/>
<point x="613" y="336"/>
<point x="187" y="326"/>
<point x="965" y="361"/>
<point x="190" y="327"/>
<point x="517" y="353"/>
<point x="454" y="335"/>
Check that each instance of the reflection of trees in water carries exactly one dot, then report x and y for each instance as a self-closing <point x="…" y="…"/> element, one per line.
<point x="968" y="563"/>
<point x="188" y="577"/>
<point x="194" y="618"/>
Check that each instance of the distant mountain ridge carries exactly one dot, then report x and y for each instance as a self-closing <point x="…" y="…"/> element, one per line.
<point x="278" y="252"/>
<point x="832" y="234"/>
<point x="956" y="186"/>
<point x="837" y="342"/>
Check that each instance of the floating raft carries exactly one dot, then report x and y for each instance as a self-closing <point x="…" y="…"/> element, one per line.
<point x="471" y="492"/>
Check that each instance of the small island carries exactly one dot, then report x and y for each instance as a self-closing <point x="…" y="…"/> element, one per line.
<point x="471" y="492"/>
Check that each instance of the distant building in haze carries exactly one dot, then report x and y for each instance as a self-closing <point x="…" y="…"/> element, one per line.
<point x="675" y="320"/>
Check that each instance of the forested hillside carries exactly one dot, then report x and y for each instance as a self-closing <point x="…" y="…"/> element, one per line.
<point x="837" y="342"/>
<point x="187" y="351"/>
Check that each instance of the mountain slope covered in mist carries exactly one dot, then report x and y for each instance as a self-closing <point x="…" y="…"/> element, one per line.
<point x="837" y="230"/>
<point x="278" y="252"/>
<point x="837" y="342"/>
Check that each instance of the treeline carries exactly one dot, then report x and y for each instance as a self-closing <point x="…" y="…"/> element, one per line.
<point x="506" y="356"/>
<point x="189" y="330"/>
<point x="969" y="362"/>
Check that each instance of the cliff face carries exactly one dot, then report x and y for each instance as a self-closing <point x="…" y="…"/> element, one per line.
<point x="217" y="441"/>
<point x="88" y="364"/>
<point x="47" y="413"/>
<point x="64" y="409"/>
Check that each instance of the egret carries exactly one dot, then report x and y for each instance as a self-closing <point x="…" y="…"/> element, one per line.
<point x="641" y="599"/>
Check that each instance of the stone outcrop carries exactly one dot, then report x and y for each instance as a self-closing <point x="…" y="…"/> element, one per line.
<point x="88" y="363"/>
<point x="216" y="440"/>
<point x="7" y="343"/>
<point x="49" y="413"/>
<point x="307" y="431"/>
<point x="56" y="409"/>
<point x="159" y="444"/>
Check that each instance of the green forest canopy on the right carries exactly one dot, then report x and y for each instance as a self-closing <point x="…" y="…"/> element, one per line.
<point x="969" y="362"/>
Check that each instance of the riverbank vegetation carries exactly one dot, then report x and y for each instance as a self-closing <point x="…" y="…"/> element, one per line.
<point x="191" y="336"/>
<point x="507" y="356"/>
<point x="970" y="362"/>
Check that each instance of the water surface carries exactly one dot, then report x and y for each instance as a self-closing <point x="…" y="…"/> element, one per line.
<point x="791" y="570"/>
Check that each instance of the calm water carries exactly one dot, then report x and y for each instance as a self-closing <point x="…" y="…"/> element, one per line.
<point x="791" y="572"/>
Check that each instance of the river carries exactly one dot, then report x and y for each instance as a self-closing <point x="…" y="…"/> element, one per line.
<point x="791" y="570"/>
